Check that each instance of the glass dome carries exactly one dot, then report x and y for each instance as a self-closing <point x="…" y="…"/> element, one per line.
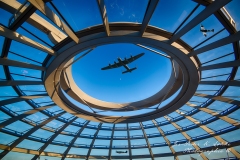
<point x="119" y="79"/>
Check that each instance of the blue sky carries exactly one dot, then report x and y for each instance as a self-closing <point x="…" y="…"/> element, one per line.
<point x="111" y="85"/>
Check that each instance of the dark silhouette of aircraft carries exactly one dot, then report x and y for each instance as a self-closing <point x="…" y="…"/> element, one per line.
<point x="119" y="152"/>
<point x="204" y="31"/>
<point x="124" y="63"/>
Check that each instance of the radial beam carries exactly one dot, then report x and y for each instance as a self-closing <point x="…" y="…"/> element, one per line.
<point x="16" y="83"/>
<point x="235" y="63"/>
<point x="103" y="11"/>
<point x="152" y="4"/>
<point x="225" y="83"/>
<point x="53" y="137"/>
<point x="23" y="115"/>
<point x="213" y="113"/>
<point x="8" y="62"/>
<point x="129" y="143"/>
<point x="25" y="40"/>
<point x="40" y="5"/>
<point x="73" y="140"/>
<point x="111" y="141"/>
<point x="211" y="132"/>
<point x="21" y="98"/>
<point x="187" y="137"/>
<point x="93" y="140"/>
<point x="224" y="41"/>
<point x="28" y="133"/>
<point x="213" y="7"/>
<point x="148" y="144"/>
<point x="219" y="98"/>
<point x="166" y="139"/>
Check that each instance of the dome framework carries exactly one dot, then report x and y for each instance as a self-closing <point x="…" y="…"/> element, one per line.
<point x="66" y="45"/>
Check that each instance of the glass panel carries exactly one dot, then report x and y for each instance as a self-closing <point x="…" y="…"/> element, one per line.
<point x="76" y="14"/>
<point x="136" y="132"/>
<point x="83" y="141"/>
<point x="42" y="134"/>
<point x="30" y="144"/>
<point x="152" y="131"/>
<point x="6" y="138"/>
<point x="79" y="151"/>
<point x="56" y="149"/>
<point x="15" y="126"/>
<point x="142" y="151"/>
<point x="173" y="19"/>
<point x="63" y="138"/>
<point x="120" y="133"/>
<point x="156" y="140"/>
<point x="7" y="15"/>
<point x="168" y="127"/>
<point x="126" y="10"/>
<point x="157" y="150"/>
<point x="218" y="125"/>
<point x="175" y="137"/>
<point x="231" y="136"/>
<point x="24" y="50"/>
<point x="184" y="123"/>
<point x="194" y="36"/>
<point x="196" y="132"/>
<point x="20" y="156"/>
<point x="99" y="152"/>
<point x="138" y="142"/>
<point x="101" y="142"/>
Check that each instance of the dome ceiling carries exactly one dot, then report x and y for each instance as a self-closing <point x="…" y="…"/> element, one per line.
<point x="179" y="101"/>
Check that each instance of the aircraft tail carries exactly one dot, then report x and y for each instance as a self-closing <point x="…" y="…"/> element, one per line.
<point x="130" y="70"/>
<point x="212" y="30"/>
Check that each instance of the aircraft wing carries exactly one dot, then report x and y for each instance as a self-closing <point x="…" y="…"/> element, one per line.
<point x="133" y="58"/>
<point x="110" y="66"/>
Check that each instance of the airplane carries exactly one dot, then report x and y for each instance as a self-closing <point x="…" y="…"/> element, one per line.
<point x="124" y="63"/>
<point x="204" y="31"/>
<point x="119" y="152"/>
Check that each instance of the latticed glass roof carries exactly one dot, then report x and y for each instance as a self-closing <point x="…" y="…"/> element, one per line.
<point x="119" y="79"/>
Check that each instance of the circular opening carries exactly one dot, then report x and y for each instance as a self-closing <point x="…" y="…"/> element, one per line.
<point x="151" y="74"/>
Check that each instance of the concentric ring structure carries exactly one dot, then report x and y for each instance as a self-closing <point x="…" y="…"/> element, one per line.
<point x="44" y="114"/>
